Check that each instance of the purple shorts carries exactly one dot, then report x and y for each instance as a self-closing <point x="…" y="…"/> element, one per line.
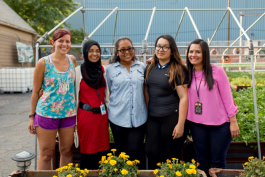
<point x="53" y="124"/>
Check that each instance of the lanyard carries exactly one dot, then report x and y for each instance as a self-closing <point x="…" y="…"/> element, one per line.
<point x="197" y="90"/>
<point x="99" y="96"/>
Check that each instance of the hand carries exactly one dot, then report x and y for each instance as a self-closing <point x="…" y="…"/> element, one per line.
<point x="40" y="92"/>
<point x="234" y="129"/>
<point x="150" y="60"/>
<point x="30" y="126"/>
<point x="178" y="131"/>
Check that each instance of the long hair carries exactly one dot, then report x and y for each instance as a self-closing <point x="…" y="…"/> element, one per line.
<point x="116" y="58"/>
<point x="177" y="66"/>
<point x="207" y="68"/>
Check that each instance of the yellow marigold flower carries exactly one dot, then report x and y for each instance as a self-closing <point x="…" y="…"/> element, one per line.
<point x="170" y="166"/>
<point x="158" y="164"/>
<point x="192" y="166"/>
<point x="124" y="172"/>
<point x="251" y="157"/>
<point x="109" y="158"/>
<point x="193" y="171"/>
<point x="245" y="163"/>
<point x="198" y="163"/>
<point x="161" y="176"/>
<point x="69" y="175"/>
<point x="178" y="173"/>
<point x="115" y="169"/>
<point x="137" y="161"/>
<point x="181" y="161"/>
<point x="70" y="164"/>
<point x="138" y="172"/>
<point x="189" y="171"/>
<point x="113" y="150"/>
<point x="54" y="176"/>
<point x="106" y="161"/>
<point x="193" y="161"/>
<point x="129" y="162"/>
<point x="109" y="154"/>
<point x="113" y="162"/>
<point x="184" y="164"/>
<point x="168" y="161"/>
<point x="263" y="157"/>
<point x="82" y="171"/>
<point x="103" y="158"/>
<point x="155" y="171"/>
<point x="104" y="170"/>
<point x="78" y="169"/>
<point x="86" y="170"/>
<point x="58" y="169"/>
<point x="76" y="165"/>
<point x="174" y="158"/>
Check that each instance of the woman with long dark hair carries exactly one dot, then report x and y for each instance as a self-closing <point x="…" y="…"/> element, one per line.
<point x="166" y="95"/>
<point x="127" y="110"/>
<point x="212" y="112"/>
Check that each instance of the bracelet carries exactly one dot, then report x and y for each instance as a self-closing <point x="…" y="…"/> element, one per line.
<point x="32" y="115"/>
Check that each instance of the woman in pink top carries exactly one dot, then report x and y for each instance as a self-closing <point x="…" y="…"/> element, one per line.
<point x="212" y="111"/>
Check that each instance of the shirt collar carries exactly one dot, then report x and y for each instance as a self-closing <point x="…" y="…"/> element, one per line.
<point x="136" y="62"/>
<point x="162" y="67"/>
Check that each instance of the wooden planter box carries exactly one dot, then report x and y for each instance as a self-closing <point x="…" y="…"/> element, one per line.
<point x="49" y="173"/>
<point x="237" y="154"/>
<point x="217" y="172"/>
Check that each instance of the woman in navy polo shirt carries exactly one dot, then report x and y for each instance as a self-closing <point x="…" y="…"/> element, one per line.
<point x="166" y="95"/>
<point x="127" y="110"/>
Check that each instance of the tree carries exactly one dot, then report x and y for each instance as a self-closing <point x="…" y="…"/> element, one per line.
<point x="43" y="15"/>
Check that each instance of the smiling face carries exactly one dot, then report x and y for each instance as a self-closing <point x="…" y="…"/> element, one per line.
<point x="162" y="46"/>
<point x="63" y="44"/>
<point x="129" y="54"/>
<point x="93" y="54"/>
<point x="195" y="56"/>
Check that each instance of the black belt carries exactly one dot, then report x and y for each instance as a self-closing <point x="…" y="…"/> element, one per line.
<point x="87" y="107"/>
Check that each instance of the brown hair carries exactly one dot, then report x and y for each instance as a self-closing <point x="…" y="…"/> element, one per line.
<point x="58" y="34"/>
<point x="177" y="66"/>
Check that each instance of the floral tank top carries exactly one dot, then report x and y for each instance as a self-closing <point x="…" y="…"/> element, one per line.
<point x="58" y="99"/>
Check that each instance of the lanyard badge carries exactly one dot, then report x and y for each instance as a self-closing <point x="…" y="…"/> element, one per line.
<point x="102" y="106"/>
<point x="198" y="104"/>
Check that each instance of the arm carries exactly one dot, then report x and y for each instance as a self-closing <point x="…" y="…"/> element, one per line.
<point x="182" y="91"/>
<point x="227" y="99"/>
<point x="37" y="83"/>
<point x="146" y="96"/>
<point x="107" y="100"/>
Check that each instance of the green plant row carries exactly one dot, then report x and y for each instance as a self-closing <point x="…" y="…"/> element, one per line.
<point x="246" y="115"/>
<point x="245" y="78"/>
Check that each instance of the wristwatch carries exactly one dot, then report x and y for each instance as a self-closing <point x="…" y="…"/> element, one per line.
<point x="32" y="115"/>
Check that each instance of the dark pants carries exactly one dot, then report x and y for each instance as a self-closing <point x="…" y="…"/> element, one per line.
<point x="91" y="161"/>
<point x="130" y="141"/>
<point x="160" y="145"/>
<point x="211" y="144"/>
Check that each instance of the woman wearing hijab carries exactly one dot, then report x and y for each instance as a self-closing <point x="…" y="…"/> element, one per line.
<point x="92" y="116"/>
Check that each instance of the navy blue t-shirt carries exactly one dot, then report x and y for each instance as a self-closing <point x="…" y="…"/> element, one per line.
<point x="163" y="99"/>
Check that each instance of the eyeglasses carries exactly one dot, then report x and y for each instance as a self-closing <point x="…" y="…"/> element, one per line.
<point x="123" y="51"/>
<point x="92" y="51"/>
<point x="165" y="49"/>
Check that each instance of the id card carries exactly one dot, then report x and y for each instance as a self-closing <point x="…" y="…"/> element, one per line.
<point x="198" y="108"/>
<point x="102" y="109"/>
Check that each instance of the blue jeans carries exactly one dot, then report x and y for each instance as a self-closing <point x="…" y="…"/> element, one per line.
<point x="211" y="144"/>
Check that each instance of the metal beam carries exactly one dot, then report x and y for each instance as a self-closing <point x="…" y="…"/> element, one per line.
<point x="193" y="23"/>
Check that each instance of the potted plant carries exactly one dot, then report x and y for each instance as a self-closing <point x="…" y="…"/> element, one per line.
<point x="174" y="168"/>
<point x="118" y="166"/>
<point x="71" y="171"/>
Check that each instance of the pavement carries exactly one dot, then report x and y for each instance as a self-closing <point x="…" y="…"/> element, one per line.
<point x="14" y="135"/>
